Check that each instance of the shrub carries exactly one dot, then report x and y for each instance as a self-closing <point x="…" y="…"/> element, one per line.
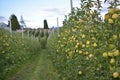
<point x="46" y="33"/>
<point x="43" y="42"/>
<point x="42" y="33"/>
<point x="87" y="48"/>
<point x="14" y="51"/>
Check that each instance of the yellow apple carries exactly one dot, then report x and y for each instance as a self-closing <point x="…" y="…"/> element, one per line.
<point x="110" y="21"/>
<point x="114" y="16"/>
<point x="115" y="74"/>
<point x="105" y="54"/>
<point x="112" y="61"/>
<point x="116" y="53"/>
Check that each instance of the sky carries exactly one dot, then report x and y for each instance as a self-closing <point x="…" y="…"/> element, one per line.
<point x="35" y="11"/>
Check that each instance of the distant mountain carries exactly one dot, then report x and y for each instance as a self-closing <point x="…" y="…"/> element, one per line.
<point x="2" y="18"/>
<point x="3" y="25"/>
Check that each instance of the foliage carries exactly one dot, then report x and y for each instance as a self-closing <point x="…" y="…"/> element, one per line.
<point x="43" y="38"/>
<point x="14" y="22"/>
<point x="42" y="33"/>
<point x="14" y="51"/>
<point x="43" y="42"/>
<point x="88" y="48"/>
<point x="46" y="33"/>
<point x="37" y="33"/>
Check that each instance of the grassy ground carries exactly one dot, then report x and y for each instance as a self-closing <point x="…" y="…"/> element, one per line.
<point x="40" y="68"/>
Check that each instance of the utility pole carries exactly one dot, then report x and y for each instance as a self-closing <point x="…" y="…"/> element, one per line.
<point x="71" y="5"/>
<point x="58" y="25"/>
<point x="28" y="32"/>
<point x="10" y="27"/>
<point x="22" y="25"/>
<point x="22" y="32"/>
<point x="57" y="22"/>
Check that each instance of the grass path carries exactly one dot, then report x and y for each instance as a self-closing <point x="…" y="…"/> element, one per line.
<point x="38" y="69"/>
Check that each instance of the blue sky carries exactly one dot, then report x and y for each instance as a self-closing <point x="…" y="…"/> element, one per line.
<point x="35" y="11"/>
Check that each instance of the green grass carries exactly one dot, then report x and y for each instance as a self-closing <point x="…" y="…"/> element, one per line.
<point x="39" y="68"/>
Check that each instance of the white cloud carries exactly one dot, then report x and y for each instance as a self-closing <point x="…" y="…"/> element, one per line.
<point x="50" y="13"/>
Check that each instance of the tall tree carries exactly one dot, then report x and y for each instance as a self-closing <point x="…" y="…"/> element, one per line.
<point x="45" y="24"/>
<point x="14" y="22"/>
